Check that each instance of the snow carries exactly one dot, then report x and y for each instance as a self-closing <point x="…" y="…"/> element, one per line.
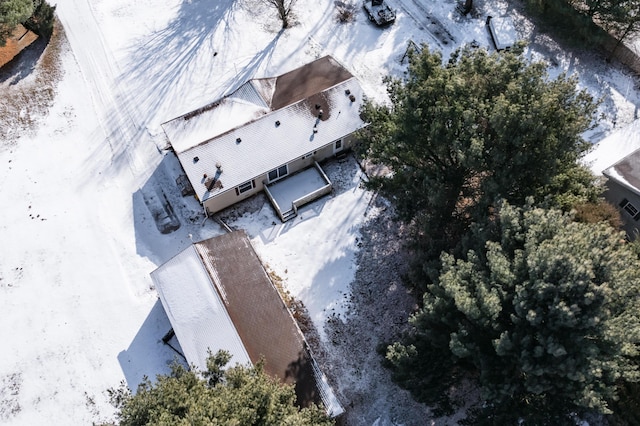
<point x="229" y="114"/>
<point x="316" y="249"/>
<point x="503" y="32"/>
<point x="79" y="310"/>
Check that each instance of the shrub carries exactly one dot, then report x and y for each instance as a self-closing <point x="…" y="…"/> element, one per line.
<point x="346" y="12"/>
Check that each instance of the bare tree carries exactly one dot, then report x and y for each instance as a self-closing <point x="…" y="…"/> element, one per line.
<point x="284" y="9"/>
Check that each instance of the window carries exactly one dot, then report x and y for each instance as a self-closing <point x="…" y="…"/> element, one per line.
<point x="630" y="208"/>
<point x="278" y="173"/>
<point x="247" y="186"/>
<point x="337" y="146"/>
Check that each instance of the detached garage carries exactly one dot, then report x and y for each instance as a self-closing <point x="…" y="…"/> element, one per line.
<point x="218" y="295"/>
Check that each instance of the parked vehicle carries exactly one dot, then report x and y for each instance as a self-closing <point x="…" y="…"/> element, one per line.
<point x="379" y="12"/>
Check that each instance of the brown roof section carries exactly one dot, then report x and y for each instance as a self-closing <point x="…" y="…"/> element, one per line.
<point x="308" y="80"/>
<point x="261" y="318"/>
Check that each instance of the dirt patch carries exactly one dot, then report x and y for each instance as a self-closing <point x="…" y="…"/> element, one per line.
<point x="9" y="393"/>
<point x="19" y="40"/>
<point x="25" y="101"/>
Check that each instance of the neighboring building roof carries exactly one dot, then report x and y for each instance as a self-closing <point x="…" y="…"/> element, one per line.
<point x="614" y="148"/>
<point x="626" y="172"/>
<point x="234" y="275"/>
<point x="502" y="32"/>
<point x="266" y="123"/>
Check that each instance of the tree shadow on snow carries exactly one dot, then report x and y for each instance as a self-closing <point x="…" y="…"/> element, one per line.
<point x="147" y="355"/>
<point x="164" y="65"/>
<point x="24" y="63"/>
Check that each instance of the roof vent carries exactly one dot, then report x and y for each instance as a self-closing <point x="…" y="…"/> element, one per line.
<point x="196" y="159"/>
<point x="277" y="123"/>
<point x="315" y="129"/>
<point x="219" y="166"/>
<point x="238" y="140"/>
<point x="352" y="98"/>
<point x="320" y="113"/>
<point x="347" y="92"/>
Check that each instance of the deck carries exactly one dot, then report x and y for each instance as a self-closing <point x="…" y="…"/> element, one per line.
<point x="289" y="194"/>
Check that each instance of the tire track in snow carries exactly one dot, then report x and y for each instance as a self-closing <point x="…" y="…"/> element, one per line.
<point x="100" y="71"/>
<point x="427" y="21"/>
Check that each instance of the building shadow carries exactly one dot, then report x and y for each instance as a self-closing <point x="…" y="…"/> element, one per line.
<point x="165" y="222"/>
<point x="306" y="212"/>
<point x="147" y="355"/>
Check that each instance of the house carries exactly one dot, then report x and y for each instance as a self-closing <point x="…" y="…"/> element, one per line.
<point x="218" y="295"/>
<point x="623" y="190"/>
<point x="267" y="130"/>
<point x="617" y="157"/>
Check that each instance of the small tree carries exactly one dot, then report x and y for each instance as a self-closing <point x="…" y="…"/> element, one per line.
<point x="545" y="315"/>
<point x="346" y="11"/>
<point x="236" y="396"/>
<point x="43" y="18"/>
<point x="284" y="8"/>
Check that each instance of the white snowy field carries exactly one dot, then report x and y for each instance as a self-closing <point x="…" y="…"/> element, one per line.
<point x="79" y="314"/>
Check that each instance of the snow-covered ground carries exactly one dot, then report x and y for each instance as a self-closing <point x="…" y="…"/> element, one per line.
<point x="78" y="241"/>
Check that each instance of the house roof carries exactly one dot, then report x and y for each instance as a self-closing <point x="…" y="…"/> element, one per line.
<point x="235" y="277"/>
<point x="196" y="312"/>
<point x="264" y="124"/>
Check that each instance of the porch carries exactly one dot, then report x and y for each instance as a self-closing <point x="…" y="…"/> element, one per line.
<point x="290" y="193"/>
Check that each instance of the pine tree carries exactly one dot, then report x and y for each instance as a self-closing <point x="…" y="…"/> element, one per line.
<point x="234" y="396"/>
<point x="12" y="13"/>
<point x="545" y="315"/>
<point x="459" y="136"/>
